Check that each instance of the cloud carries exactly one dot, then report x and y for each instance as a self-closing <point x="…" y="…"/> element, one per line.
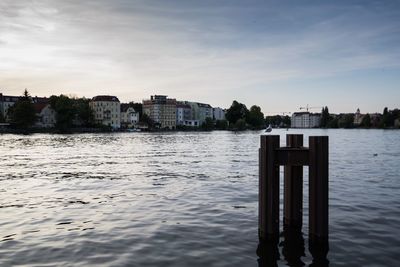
<point x="196" y="49"/>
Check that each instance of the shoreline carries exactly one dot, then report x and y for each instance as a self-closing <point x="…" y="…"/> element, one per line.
<point x="99" y="130"/>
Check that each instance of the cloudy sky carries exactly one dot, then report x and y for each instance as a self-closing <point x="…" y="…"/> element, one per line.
<point x="279" y="55"/>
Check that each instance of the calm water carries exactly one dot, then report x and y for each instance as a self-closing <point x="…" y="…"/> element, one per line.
<point x="182" y="199"/>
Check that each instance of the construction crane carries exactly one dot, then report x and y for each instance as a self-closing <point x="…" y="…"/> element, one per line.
<point x="308" y="107"/>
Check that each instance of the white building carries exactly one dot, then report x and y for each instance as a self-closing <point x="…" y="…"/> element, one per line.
<point x="129" y="117"/>
<point x="305" y="120"/>
<point x="358" y="117"/>
<point x="218" y="114"/>
<point x="184" y="115"/>
<point x="106" y="110"/>
<point x="46" y="116"/>
<point x="200" y="111"/>
<point x="6" y="102"/>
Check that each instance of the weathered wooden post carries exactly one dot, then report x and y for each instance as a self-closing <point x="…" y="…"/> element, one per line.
<point x="268" y="189"/>
<point x="294" y="157"/>
<point x="318" y="187"/>
<point x="293" y="192"/>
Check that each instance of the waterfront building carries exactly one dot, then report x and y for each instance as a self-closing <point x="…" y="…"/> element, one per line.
<point x="183" y="114"/>
<point x="200" y="111"/>
<point x="7" y="101"/>
<point x="358" y="117"/>
<point x="206" y="111"/>
<point x="129" y="117"/>
<point x="161" y="110"/>
<point x="305" y="120"/>
<point x="46" y="116"/>
<point x="218" y="114"/>
<point x="106" y="110"/>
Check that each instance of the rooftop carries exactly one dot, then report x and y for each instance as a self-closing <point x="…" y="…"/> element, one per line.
<point x="108" y="98"/>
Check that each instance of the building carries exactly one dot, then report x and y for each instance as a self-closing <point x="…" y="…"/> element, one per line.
<point x="205" y="111"/>
<point x="305" y="120"/>
<point x="129" y="117"/>
<point x="161" y="110"/>
<point x="358" y="117"/>
<point x="218" y="114"/>
<point x="106" y="110"/>
<point x="200" y="111"/>
<point x="6" y="102"/>
<point x="46" y="116"/>
<point x="184" y="114"/>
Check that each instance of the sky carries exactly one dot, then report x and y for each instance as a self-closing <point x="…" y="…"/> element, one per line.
<point x="279" y="55"/>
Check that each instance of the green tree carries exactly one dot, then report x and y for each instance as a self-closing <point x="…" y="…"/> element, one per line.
<point x="240" y="125"/>
<point x="333" y="122"/>
<point x="65" y="112"/>
<point x="324" y="117"/>
<point x="23" y="114"/>
<point x="221" y="124"/>
<point x="286" y="121"/>
<point x="236" y="112"/>
<point x="147" y="120"/>
<point x="255" y="117"/>
<point x="208" y="124"/>
<point x="385" y="118"/>
<point x="366" y="121"/>
<point x="275" y="120"/>
<point x="346" y="121"/>
<point x="138" y="107"/>
<point x="83" y="112"/>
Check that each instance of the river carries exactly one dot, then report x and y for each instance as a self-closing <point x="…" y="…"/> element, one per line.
<point x="183" y="199"/>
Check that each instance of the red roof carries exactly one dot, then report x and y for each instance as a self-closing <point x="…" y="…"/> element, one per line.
<point x="39" y="106"/>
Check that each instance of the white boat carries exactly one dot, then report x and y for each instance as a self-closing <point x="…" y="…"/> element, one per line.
<point x="133" y="130"/>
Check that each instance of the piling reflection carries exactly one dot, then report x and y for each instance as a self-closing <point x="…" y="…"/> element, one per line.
<point x="268" y="253"/>
<point x="293" y="246"/>
<point x="319" y="250"/>
<point x="293" y="249"/>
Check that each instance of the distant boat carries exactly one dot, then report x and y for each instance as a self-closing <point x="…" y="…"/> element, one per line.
<point x="133" y="130"/>
<point x="269" y="129"/>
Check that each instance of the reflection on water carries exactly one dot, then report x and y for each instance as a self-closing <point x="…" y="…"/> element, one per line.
<point x="293" y="250"/>
<point x="186" y="199"/>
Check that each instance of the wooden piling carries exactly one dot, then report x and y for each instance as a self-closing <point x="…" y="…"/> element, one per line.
<point x="268" y="189"/>
<point x="318" y="187"/>
<point x="293" y="187"/>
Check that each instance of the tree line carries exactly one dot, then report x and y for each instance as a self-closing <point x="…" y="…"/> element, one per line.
<point x="385" y="120"/>
<point x="240" y="117"/>
<point x="70" y="112"/>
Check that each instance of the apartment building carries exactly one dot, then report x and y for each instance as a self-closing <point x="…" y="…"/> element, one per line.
<point x="200" y="111"/>
<point x="305" y="120"/>
<point x="218" y="114"/>
<point x="161" y="110"/>
<point x="183" y="114"/>
<point x="106" y="110"/>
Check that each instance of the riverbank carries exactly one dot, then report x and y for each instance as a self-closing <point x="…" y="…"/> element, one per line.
<point x="106" y="130"/>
